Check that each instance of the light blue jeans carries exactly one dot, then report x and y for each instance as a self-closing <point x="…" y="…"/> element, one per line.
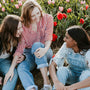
<point x="65" y="75"/>
<point x="4" y="67"/>
<point x="29" y="64"/>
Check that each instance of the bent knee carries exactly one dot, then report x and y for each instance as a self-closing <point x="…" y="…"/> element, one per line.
<point x="36" y="45"/>
<point x="84" y="75"/>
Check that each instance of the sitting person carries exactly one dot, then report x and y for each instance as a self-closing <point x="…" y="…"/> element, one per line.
<point x="10" y="32"/>
<point x="35" y="44"/>
<point x="76" y="50"/>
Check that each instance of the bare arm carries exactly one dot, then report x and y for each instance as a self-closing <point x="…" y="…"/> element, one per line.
<point x="53" y="72"/>
<point x="47" y="45"/>
<point x="82" y="84"/>
<point x="57" y="83"/>
<point x="10" y="73"/>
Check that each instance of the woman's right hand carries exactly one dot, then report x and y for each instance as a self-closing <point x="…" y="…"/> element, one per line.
<point x="9" y="75"/>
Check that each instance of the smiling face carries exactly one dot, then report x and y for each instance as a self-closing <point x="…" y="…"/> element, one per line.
<point x="35" y="15"/>
<point x="70" y="43"/>
<point x="19" y="30"/>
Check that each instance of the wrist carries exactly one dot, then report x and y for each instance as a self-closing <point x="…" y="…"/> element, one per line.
<point x="11" y="68"/>
<point x="55" y="81"/>
<point x="46" y="49"/>
<point x="73" y="87"/>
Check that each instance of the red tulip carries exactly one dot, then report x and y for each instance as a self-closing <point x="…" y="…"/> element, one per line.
<point x="87" y="6"/>
<point x="60" y="16"/>
<point x="55" y="23"/>
<point x="81" y="20"/>
<point x="64" y="15"/>
<point x="69" y="10"/>
<point x="54" y="37"/>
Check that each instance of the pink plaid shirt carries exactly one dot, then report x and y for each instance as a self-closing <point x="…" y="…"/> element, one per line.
<point x="29" y="37"/>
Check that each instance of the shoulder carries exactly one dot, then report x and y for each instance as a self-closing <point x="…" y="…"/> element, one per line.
<point x="88" y="53"/>
<point x="47" y="16"/>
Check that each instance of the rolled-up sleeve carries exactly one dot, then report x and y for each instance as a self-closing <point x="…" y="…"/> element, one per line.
<point x="49" y="28"/>
<point x="60" y="56"/>
<point x="20" y="48"/>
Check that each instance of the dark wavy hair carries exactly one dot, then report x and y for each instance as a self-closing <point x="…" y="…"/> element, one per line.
<point x="8" y="30"/>
<point x="80" y="36"/>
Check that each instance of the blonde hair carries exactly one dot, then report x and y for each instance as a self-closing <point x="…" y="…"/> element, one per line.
<point x="27" y="9"/>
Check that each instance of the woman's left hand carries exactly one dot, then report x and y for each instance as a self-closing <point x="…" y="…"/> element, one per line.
<point x="20" y="58"/>
<point x="8" y="76"/>
<point x="40" y="52"/>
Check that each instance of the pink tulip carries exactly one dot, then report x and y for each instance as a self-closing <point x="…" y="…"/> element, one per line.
<point x="12" y="0"/>
<point x="67" y="0"/>
<point x="3" y="1"/>
<point x="17" y="6"/>
<point x="82" y="2"/>
<point x="53" y="2"/>
<point x="20" y="3"/>
<point x="3" y="9"/>
<point x="61" y="8"/>
<point x="49" y="2"/>
<point x="0" y="5"/>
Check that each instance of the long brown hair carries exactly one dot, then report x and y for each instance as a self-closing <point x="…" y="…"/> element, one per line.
<point x="8" y="30"/>
<point x="27" y="9"/>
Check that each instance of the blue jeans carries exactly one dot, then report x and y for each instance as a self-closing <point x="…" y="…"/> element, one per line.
<point x="29" y="64"/>
<point x="4" y="67"/>
<point x="65" y="75"/>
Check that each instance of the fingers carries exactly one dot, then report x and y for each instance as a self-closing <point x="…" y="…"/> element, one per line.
<point x="37" y="50"/>
<point x="11" y="77"/>
<point x="37" y="53"/>
<point x="6" y="79"/>
<point x="20" y="59"/>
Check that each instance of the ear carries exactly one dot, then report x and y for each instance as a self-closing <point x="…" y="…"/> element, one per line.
<point x="75" y="42"/>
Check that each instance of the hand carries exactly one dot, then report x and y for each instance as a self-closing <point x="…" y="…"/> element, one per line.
<point x="9" y="75"/>
<point x="40" y="52"/>
<point x="59" y="86"/>
<point x="20" y="58"/>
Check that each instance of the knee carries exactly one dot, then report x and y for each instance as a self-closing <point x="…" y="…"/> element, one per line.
<point x="62" y="71"/>
<point x="20" y="68"/>
<point x="36" y="45"/>
<point x="15" y="74"/>
<point x="84" y="75"/>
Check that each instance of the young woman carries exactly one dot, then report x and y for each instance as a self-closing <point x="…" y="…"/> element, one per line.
<point x="76" y="50"/>
<point x="35" y="44"/>
<point x="10" y="31"/>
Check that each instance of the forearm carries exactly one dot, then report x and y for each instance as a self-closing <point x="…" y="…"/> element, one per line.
<point x="14" y="63"/>
<point x="82" y="84"/>
<point x="47" y="45"/>
<point x="53" y="73"/>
